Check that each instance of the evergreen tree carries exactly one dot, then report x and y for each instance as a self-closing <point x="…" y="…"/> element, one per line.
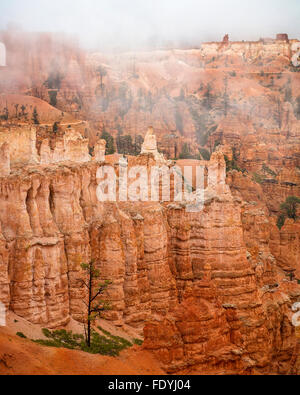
<point x="23" y="108"/>
<point x="110" y="146"/>
<point x="208" y="98"/>
<point x="53" y="98"/>
<point x="55" y="127"/>
<point x="185" y="153"/>
<point x="94" y="305"/>
<point x="289" y="207"/>
<point x="35" y="116"/>
<point x="16" y="107"/>
<point x="138" y="142"/>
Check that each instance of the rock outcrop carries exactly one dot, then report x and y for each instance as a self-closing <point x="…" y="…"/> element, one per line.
<point x="19" y="149"/>
<point x="208" y="307"/>
<point x="4" y="160"/>
<point x="150" y="146"/>
<point x="213" y="289"/>
<point x="72" y="147"/>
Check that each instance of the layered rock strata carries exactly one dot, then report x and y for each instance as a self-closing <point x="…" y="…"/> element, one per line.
<point x="209" y="304"/>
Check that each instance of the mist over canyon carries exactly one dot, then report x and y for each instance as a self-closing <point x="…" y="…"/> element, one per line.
<point x="206" y="292"/>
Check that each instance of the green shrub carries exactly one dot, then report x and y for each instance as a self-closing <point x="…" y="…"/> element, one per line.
<point x="21" y="334"/>
<point x="186" y="152"/>
<point x="110" y="145"/>
<point x="280" y="221"/>
<point x="55" y="127"/>
<point x="232" y="165"/>
<point x="137" y="342"/>
<point x="204" y="153"/>
<point x="257" y="178"/>
<point x="269" y="171"/>
<point x="53" y="98"/>
<point x="289" y="207"/>
<point x="106" y="344"/>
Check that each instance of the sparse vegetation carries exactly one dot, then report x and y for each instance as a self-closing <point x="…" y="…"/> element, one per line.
<point x="106" y="344"/>
<point x="110" y="145"/>
<point x="269" y="171"/>
<point x="102" y="73"/>
<point x="209" y="98"/>
<point x="204" y="153"/>
<point x="126" y="146"/>
<point x="35" y="116"/>
<point x="5" y="114"/>
<point x="289" y="207"/>
<point x="21" y="334"/>
<point x="54" y="80"/>
<point x="257" y="178"/>
<point x="55" y="127"/>
<point x="94" y="305"/>
<point x="280" y="221"/>
<point x="138" y="342"/>
<point x="232" y="164"/>
<point x="185" y="152"/>
<point x="53" y="97"/>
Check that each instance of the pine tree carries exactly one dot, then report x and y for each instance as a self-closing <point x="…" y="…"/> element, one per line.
<point x="94" y="305"/>
<point x="185" y="153"/>
<point x="110" y="146"/>
<point x="289" y="207"/>
<point x="35" y="116"/>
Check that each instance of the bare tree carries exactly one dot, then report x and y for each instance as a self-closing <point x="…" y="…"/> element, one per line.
<point x="16" y="107"/>
<point x="94" y="305"/>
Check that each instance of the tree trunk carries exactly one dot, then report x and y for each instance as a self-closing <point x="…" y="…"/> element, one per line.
<point x="89" y="309"/>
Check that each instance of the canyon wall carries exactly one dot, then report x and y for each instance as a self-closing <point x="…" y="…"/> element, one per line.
<point x="212" y="290"/>
<point x="208" y="303"/>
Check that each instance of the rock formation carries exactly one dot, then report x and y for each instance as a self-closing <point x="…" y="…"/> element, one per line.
<point x="4" y="160"/>
<point x="212" y="289"/>
<point x="2" y="55"/>
<point x="20" y="149"/>
<point x="150" y="146"/>
<point x="22" y="144"/>
<point x="99" y="150"/>
<point x="208" y="307"/>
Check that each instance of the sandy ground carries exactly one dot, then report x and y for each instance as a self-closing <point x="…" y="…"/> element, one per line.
<point x="46" y="113"/>
<point x="22" y="356"/>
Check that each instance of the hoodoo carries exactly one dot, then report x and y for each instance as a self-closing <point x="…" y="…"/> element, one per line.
<point x="179" y="243"/>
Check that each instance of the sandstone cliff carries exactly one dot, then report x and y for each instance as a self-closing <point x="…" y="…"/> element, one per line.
<point x="209" y="308"/>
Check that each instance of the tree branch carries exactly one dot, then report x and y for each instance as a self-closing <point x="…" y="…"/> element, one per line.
<point x="98" y="293"/>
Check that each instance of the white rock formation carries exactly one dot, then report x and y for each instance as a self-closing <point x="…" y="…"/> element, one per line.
<point x="99" y="151"/>
<point x="150" y="146"/>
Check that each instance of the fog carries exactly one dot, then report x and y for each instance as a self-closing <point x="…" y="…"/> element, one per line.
<point x="132" y="24"/>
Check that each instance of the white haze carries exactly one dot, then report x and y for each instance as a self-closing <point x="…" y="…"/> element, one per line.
<point x="132" y="24"/>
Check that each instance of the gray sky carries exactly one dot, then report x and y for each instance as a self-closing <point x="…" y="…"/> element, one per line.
<point x="105" y="23"/>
